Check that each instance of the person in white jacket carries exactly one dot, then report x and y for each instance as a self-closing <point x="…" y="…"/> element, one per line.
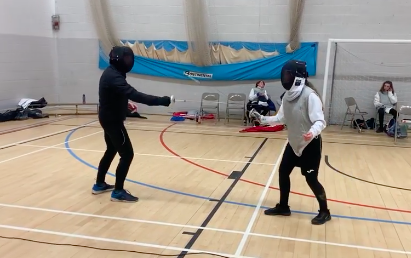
<point x="258" y="99"/>
<point x="302" y="112"/>
<point x="384" y="101"/>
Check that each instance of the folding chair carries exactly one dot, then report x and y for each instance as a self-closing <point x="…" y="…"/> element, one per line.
<point x="235" y="101"/>
<point x="210" y="101"/>
<point x="350" y="102"/>
<point x="404" y="111"/>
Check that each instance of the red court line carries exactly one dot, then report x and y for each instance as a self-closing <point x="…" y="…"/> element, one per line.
<point x="259" y="184"/>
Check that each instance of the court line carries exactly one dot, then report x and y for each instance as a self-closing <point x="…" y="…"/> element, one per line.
<point x="23" y="207"/>
<point x="156" y="155"/>
<point x="193" y="130"/>
<point x="111" y="240"/>
<point x="44" y="136"/>
<point x="360" y="179"/>
<point x="204" y="228"/>
<point x="43" y="149"/>
<point x="271" y="187"/>
<point x="196" y="128"/>
<point x="221" y="200"/>
<point x="330" y="135"/>
<point x="75" y="156"/>
<point x="337" y="133"/>
<point x="34" y="125"/>
<point x="251" y="222"/>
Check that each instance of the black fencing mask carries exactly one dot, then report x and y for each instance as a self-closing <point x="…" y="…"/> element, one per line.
<point x="290" y="71"/>
<point x="122" y="58"/>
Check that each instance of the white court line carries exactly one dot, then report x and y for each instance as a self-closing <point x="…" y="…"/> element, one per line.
<point x="45" y="136"/>
<point x="118" y="218"/>
<point x="110" y="240"/>
<point x="34" y="125"/>
<point x="207" y="228"/>
<point x="155" y="155"/>
<point x="46" y="148"/>
<point x="184" y="129"/>
<point x="250" y="225"/>
<point x="185" y="125"/>
<point x="195" y="128"/>
<point x="329" y="138"/>
<point x="360" y="139"/>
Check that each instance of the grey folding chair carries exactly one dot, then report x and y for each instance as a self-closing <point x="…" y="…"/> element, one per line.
<point x="210" y="101"/>
<point x="404" y="111"/>
<point x="353" y="110"/>
<point x="235" y="101"/>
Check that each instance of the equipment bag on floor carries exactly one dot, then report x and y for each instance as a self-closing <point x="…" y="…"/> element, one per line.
<point x="401" y="129"/>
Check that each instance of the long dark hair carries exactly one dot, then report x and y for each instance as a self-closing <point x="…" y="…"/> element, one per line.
<point x="311" y="86"/>
<point x="387" y="82"/>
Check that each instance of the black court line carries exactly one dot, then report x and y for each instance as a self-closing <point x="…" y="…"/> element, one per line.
<point x="237" y="177"/>
<point x="363" y="180"/>
<point x="188" y="233"/>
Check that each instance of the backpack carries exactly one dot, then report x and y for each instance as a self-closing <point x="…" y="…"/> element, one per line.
<point x="401" y="129"/>
<point x="360" y="124"/>
<point x="363" y="125"/>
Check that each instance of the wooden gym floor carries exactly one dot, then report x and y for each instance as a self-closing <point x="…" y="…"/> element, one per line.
<point x="203" y="188"/>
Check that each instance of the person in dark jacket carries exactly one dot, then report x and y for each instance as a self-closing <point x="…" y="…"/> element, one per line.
<point x="114" y="93"/>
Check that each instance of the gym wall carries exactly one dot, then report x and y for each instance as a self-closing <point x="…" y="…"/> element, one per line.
<point x="63" y="65"/>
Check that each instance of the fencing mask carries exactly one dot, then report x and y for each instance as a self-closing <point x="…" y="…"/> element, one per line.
<point x="122" y="58"/>
<point x="291" y="70"/>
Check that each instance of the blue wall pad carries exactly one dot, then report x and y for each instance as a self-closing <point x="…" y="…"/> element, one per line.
<point x="261" y="69"/>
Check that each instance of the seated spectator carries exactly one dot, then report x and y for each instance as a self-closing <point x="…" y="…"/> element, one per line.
<point x="384" y="101"/>
<point x="260" y="100"/>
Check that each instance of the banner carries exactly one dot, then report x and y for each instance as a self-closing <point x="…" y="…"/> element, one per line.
<point x="260" y="69"/>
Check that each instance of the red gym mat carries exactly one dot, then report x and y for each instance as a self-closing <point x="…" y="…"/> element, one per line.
<point x="275" y="128"/>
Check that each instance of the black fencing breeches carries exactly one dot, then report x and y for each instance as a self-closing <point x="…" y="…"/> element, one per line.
<point x="309" y="162"/>
<point x="117" y="141"/>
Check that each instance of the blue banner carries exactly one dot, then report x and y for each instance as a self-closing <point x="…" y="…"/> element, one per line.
<point x="261" y="69"/>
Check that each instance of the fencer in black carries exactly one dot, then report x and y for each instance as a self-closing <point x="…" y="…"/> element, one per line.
<point x="114" y="93"/>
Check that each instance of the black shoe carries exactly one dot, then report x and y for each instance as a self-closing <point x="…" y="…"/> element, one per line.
<point x="278" y="210"/>
<point x="122" y="196"/>
<point x="321" y="218"/>
<point x="380" y="130"/>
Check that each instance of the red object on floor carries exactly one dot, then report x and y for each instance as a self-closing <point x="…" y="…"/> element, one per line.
<point x="184" y="114"/>
<point x="275" y="128"/>
<point x="181" y="113"/>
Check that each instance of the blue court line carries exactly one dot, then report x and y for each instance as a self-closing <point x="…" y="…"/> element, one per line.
<point x="67" y="146"/>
